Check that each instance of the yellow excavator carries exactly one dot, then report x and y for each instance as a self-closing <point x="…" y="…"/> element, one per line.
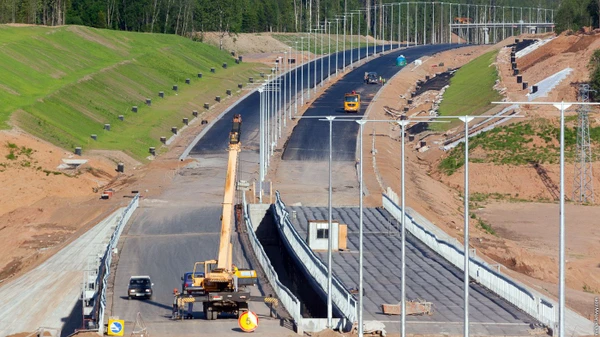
<point x="218" y="284"/>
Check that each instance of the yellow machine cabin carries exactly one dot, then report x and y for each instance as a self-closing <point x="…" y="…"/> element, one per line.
<point x="352" y="102"/>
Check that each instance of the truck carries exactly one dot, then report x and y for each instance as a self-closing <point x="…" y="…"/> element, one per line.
<point x="352" y="102"/>
<point x="219" y="285"/>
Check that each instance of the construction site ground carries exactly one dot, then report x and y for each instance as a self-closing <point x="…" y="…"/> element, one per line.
<point x="56" y="208"/>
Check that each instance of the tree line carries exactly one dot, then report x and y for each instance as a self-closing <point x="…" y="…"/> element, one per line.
<point x="574" y="14"/>
<point x="231" y="16"/>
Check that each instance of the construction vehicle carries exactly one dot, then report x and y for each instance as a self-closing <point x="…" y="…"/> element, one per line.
<point x="218" y="284"/>
<point x="352" y="102"/>
<point x="463" y="20"/>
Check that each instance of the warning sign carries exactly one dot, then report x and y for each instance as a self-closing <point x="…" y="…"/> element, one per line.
<point x="248" y="321"/>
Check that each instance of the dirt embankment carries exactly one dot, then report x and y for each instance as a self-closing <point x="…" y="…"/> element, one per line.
<point x="525" y="233"/>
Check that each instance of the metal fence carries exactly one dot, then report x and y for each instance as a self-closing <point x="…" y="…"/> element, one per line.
<point x="104" y="270"/>
<point x="340" y="296"/>
<point x="286" y="297"/>
<point x="540" y="308"/>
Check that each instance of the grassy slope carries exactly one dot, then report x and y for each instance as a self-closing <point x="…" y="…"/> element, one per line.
<point x="471" y="90"/>
<point x="67" y="82"/>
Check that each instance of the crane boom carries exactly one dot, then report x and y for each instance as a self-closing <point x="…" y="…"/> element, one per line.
<point x="224" y="257"/>
<point x="222" y="288"/>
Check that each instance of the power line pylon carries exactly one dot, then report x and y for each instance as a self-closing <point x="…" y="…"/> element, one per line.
<point x="583" y="185"/>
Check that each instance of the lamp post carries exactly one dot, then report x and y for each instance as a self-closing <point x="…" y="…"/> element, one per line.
<point x="322" y="33"/>
<point x="329" y="51"/>
<point x="329" y="119"/>
<point x="351" y="39"/>
<point x="329" y="243"/>
<point x="562" y="106"/>
<point x="284" y="98"/>
<point x="308" y="64"/>
<point x="337" y="46"/>
<point x="302" y="71"/>
<point x="289" y="98"/>
<point x="466" y="120"/>
<point x="296" y="80"/>
<point x="261" y="148"/>
<point x="344" y="47"/>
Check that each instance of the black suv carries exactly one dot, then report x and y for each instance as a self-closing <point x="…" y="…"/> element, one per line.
<point x="140" y="286"/>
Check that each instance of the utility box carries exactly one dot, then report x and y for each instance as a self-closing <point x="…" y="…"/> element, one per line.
<point x="318" y="235"/>
<point x="342" y="237"/>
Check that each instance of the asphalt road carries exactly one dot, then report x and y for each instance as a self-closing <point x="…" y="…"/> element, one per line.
<point x="167" y="235"/>
<point x="215" y="140"/>
<point x="310" y="138"/>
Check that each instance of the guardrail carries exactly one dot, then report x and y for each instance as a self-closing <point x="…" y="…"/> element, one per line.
<point x="104" y="270"/>
<point x="286" y="297"/>
<point x="540" y="308"/>
<point x="340" y="296"/>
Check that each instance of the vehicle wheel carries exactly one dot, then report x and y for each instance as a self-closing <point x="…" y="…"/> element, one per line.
<point x="128" y="297"/>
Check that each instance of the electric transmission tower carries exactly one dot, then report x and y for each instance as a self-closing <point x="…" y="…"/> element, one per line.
<point x="583" y="185"/>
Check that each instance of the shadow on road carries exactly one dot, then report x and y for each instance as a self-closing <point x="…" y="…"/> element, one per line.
<point x="73" y="321"/>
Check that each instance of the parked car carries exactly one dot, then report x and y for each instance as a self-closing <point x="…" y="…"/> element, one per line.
<point x="187" y="280"/>
<point x="140" y="286"/>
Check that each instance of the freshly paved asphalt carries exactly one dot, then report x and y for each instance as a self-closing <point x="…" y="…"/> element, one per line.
<point x="167" y="235"/>
<point x="310" y="138"/>
<point x="428" y="277"/>
<point x="215" y="140"/>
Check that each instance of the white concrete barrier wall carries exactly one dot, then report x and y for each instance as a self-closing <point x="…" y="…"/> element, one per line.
<point x="104" y="271"/>
<point x="286" y="297"/>
<point x="525" y="299"/>
<point x="340" y="296"/>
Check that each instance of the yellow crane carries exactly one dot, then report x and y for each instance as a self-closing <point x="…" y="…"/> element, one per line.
<point x="221" y="286"/>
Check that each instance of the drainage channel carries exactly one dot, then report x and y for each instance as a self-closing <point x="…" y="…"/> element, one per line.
<point x="289" y="272"/>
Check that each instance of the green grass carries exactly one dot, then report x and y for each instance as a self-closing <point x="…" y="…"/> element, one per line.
<point x="63" y="84"/>
<point x="515" y="144"/>
<point x="471" y="90"/>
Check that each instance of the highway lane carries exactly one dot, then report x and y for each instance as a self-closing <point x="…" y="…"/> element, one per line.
<point x="166" y="236"/>
<point x="215" y="140"/>
<point x="310" y="138"/>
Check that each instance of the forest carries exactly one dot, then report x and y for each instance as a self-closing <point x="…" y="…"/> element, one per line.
<point x="184" y="17"/>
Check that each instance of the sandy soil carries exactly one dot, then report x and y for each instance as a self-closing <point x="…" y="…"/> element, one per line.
<point x="41" y="213"/>
<point x="527" y="233"/>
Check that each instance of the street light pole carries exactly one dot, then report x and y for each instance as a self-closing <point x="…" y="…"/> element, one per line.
<point x="360" y="234"/>
<point x="308" y="63"/>
<point x="261" y="147"/>
<point x="322" y="33"/>
<point x="337" y="46"/>
<point x="466" y="120"/>
<point x="344" y="47"/>
<point x="403" y="124"/>
<point x="329" y="244"/>
<point x="315" y="64"/>
<point x="284" y="98"/>
<point x="289" y="98"/>
<point x="351" y="39"/>
<point x="296" y="79"/>
<point x="329" y="51"/>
